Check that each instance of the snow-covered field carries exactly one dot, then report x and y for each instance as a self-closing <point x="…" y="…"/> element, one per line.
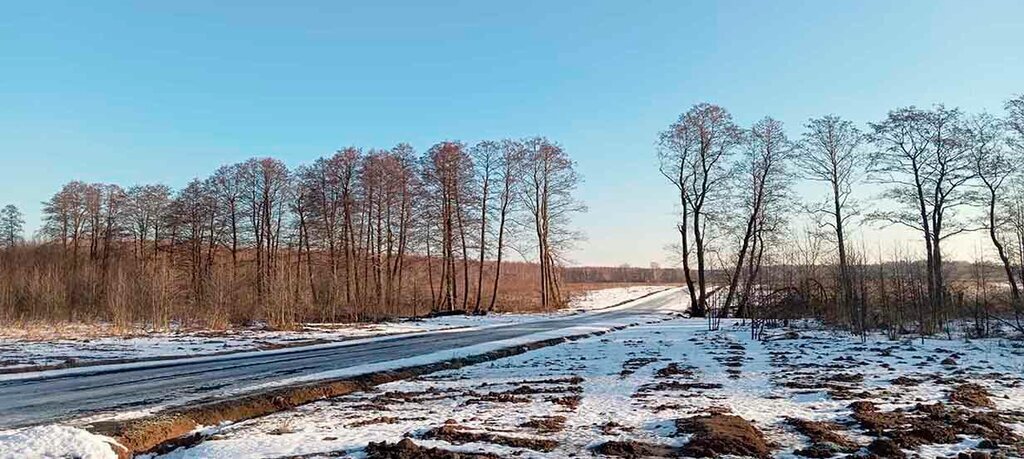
<point x="20" y="352"/>
<point x="632" y="386"/>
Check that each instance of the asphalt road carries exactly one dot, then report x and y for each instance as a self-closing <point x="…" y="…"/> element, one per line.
<point x="49" y="398"/>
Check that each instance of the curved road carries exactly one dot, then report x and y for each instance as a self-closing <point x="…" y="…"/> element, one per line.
<point x="51" y="397"/>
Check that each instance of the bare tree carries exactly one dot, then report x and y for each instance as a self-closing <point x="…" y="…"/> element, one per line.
<point x="694" y="153"/>
<point x="996" y="167"/>
<point x="764" y="184"/>
<point x="147" y="210"/>
<point x="924" y="157"/>
<point x="510" y="169"/>
<point x="829" y="152"/>
<point x="12" y="225"/>
<point x="1015" y="120"/>
<point x="266" y="186"/>
<point x="486" y="159"/>
<point x="550" y="182"/>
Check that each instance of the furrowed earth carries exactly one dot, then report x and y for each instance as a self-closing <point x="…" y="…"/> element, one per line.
<point x="672" y="389"/>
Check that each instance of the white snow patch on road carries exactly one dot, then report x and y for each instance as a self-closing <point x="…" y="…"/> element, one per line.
<point x="55" y="441"/>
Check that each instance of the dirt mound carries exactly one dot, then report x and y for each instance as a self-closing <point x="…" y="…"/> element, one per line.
<point x="972" y="395"/>
<point x="929" y="424"/>
<point x="719" y="434"/>
<point x="407" y="449"/>
<point x="666" y="386"/>
<point x="634" y="449"/>
<point x="826" y="441"/>
<point x="570" y="401"/>
<point x="885" y="448"/>
<point x="630" y="366"/>
<point x="874" y="421"/>
<point x="377" y="420"/>
<point x="847" y="377"/>
<point x="905" y="381"/>
<point x="546" y="423"/>
<point x="613" y="428"/>
<point x="673" y="369"/>
<point x="527" y="390"/>
<point x="497" y="397"/>
<point x="456" y="434"/>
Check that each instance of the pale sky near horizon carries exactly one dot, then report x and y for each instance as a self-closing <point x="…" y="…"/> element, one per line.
<point x="138" y="92"/>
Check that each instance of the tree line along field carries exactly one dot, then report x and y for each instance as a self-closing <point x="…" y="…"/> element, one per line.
<point x="367" y="235"/>
<point x="358" y="235"/>
<point x="942" y="172"/>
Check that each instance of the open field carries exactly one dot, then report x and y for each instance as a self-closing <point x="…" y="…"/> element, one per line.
<point x="629" y="393"/>
<point x="654" y="385"/>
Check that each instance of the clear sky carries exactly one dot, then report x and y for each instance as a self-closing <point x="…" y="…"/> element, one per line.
<point x="129" y="92"/>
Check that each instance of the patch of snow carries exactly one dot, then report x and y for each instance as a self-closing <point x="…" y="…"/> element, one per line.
<point x="55" y="441"/>
<point x="642" y="411"/>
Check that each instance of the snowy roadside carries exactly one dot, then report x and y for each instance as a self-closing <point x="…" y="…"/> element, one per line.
<point x="20" y="354"/>
<point x="624" y="392"/>
<point x="60" y="441"/>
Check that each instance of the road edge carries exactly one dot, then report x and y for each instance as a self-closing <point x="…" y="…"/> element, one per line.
<point x="177" y="427"/>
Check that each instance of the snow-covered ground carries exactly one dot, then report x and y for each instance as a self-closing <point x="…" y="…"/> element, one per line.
<point x="633" y="384"/>
<point x="18" y="352"/>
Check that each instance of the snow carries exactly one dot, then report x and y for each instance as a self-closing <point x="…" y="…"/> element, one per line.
<point x="55" y="441"/>
<point x="18" y="352"/>
<point x="644" y="411"/>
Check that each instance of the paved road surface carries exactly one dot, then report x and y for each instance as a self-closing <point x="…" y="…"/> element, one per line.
<point x="104" y="389"/>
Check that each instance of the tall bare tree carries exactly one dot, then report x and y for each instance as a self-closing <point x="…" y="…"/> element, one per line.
<point x="694" y="153"/>
<point x="763" y="184"/>
<point x="550" y="182"/>
<point x="510" y="169"/>
<point x="924" y="157"/>
<point x="486" y="159"/>
<point x="829" y="152"/>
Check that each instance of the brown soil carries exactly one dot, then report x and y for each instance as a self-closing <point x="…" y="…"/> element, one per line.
<point x="570" y="401"/>
<point x="378" y="420"/>
<point x="456" y="434"/>
<point x="905" y="381"/>
<point x="673" y="369"/>
<point x="847" y="377"/>
<point x="635" y="449"/>
<point x="572" y="380"/>
<point x="526" y="390"/>
<point x="613" y="428"/>
<point x="666" y="386"/>
<point x="407" y="449"/>
<point x="500" y="397"/>
<point x="715" y="435"/>
<point x="929" y="424"/>
<point x="885" y="448"/>
<point x="972" y="395"/>
<point x="824" y="437"/>
<point x="546" y="423"/>
<point x="630" y="366"/>
<point x="874" y="421"/>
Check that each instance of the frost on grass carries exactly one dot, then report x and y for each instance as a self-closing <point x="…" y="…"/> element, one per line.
<point x="55" y="441"/>
<point x="24" y="348"/>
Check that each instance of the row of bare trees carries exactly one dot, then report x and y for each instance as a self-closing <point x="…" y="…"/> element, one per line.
<point x="942" y="172"/>
<point x="357" y="235"/>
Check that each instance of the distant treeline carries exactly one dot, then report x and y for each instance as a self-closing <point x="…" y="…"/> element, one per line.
<point x="357" y="235"/>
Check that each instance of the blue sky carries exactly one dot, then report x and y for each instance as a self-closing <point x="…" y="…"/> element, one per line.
<point x="129" y="92"/>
